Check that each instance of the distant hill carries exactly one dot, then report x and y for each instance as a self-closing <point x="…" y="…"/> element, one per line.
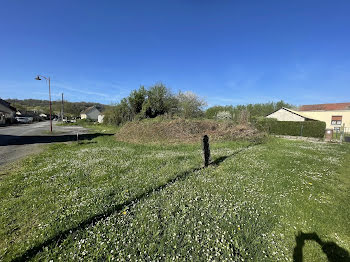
<point x="42" y="106"/>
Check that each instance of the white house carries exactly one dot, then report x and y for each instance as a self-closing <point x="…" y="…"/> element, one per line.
<point x="335" y="115"/>
<point x="100" y="118"/>
<point x="286" y="114"/>
<point x="90" y="113"/>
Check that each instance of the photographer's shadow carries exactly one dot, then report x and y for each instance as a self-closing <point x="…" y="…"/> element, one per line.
<point x="333" y="252"/>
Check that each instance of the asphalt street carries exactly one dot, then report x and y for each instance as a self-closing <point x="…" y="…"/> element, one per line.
<point x="20" y="140"/>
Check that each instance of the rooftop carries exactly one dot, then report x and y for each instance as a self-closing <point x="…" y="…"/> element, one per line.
<point x="87" y="110"/>
<point x="7" y="104"/>
<point x="325" y="107"/>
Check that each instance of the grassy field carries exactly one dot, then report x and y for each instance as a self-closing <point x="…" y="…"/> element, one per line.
<point x="109" y="200"/>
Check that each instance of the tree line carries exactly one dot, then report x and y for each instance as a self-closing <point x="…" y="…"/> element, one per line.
<point x="158" y="100"/>
<point x="71" y="109"/>
<point x="245" y="113"/>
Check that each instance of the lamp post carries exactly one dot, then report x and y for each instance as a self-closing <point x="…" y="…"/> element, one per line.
<point x="47" y="79"/>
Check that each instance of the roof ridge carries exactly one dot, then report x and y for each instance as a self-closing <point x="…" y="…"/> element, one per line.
<point x="326" y="107"/>
<point x="88" y="109"/>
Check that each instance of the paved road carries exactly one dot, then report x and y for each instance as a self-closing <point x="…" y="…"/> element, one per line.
<point x="18" y="141"/>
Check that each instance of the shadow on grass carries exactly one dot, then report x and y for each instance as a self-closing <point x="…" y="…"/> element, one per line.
<point x="6" y="140"/>
<point x="333" y="252"/>
<point x="60" y="237"/>
<point x="221" y="159"/>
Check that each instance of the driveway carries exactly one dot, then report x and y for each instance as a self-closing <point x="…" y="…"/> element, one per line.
<point x="18" y="141"/>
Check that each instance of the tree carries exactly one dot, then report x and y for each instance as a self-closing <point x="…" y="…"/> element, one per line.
<point x="159" y="101"/>
<point x="253" y="110"/>
<point x="136" y="100"/>
<point x="243" y="117"/>
<point x="118" y="114"/>
<point x="190" y="105"/>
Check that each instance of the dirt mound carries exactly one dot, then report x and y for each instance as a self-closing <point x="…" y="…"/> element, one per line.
<point x="180" y="130"/>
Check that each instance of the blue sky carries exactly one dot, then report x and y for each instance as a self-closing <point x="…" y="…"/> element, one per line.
<point x="229" y="52"/>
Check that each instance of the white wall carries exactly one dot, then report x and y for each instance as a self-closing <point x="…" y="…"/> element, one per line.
<point x="285" y="115"/>
<point x="326" y="116"/>
<point x="100" y="118"/>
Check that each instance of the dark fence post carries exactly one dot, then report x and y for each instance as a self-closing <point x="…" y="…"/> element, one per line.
<point x="206" y="150"/>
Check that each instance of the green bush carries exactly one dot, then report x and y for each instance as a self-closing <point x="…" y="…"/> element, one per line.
<point x="292" y="128"/>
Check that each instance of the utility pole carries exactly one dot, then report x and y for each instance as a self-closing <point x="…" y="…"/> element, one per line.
<point x="62" y="108"/>
<point x="50" y="106"/>
<point x="47" y="79"/>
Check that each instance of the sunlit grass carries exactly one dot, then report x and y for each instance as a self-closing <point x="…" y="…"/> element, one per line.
<point x="249" y="206"/>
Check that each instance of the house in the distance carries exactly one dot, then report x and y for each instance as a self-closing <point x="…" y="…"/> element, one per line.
<point x="100" y="118"/>
<point x="334" y="115"/>
<point x="286" y="114"/>
<point x="7" y="112"/>
<point x="90" y="113"/>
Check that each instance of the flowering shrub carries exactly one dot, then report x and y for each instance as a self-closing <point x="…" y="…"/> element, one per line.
<point x="224" y="115"/>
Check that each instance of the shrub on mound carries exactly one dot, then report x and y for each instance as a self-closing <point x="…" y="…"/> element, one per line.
<point x="181" y="130"/>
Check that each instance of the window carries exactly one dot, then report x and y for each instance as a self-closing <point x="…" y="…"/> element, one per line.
<point x="336" y="120"/>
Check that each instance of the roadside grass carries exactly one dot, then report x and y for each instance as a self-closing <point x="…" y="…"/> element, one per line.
<point x="54" y="132"/>
<point x="249" y="205"/>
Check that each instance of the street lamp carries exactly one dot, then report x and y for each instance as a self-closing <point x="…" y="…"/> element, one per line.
<point x="47" y="79"/>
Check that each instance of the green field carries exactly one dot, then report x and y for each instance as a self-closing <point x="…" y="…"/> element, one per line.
<point x="107" y="200"/>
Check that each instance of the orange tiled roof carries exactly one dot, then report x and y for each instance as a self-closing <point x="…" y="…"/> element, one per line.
<point x="325" y="107"/>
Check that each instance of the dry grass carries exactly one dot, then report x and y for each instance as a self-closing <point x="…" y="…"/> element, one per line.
<point x="186" y="131"/>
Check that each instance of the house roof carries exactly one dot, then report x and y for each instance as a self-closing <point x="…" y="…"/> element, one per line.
<point x="89" y="109"/>
<point x="325" y="107"/>
<point x="7" y="104"/>
<point x="293" y="112"/>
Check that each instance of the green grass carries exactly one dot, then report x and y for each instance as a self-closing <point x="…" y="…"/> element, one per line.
<point x="54" y="132"/>
<point x="111" y="200"/>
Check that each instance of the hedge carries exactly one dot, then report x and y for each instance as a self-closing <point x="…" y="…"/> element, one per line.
<point x="292" y="128"/>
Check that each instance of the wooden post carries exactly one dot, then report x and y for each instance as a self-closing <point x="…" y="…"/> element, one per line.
<point x="78" y="137"/>
<point x="206" y="151"/>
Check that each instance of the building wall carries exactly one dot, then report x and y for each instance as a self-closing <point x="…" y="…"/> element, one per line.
<point x="93" y="114"/>
<point x="326" y="116"/>
<point x="8" y="113"/>
<point x="284" y="115"/>
<point x="100" y="118"/>
<point x="2" y="119"/>
<point x="83" y="116"/>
